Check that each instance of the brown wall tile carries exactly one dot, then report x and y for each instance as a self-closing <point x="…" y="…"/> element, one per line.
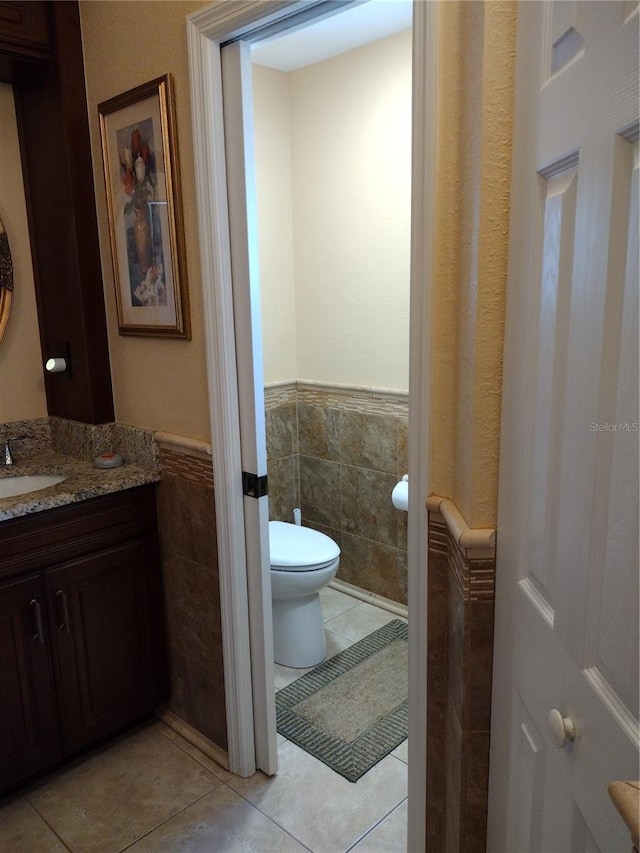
<point x="438" y="641"/>
<point x="349" y="460"/>
<point x="186" y="522"/>
<point x="282" y="431"/>
<point x="320" y="491"/>
<point x="283" y="488"/>
<point x="456" y="654"/>
<point x="365" y="504"/>
<point x="370" y="441"/>
<point x="476" y="790"/>
<point x="197" y="696"/>
<point x="193" y="608"/>
<point x="319" y="432"/>
<point x="460" y="610"/>
<point x="373" y="566"/>
<point x="454" y="815"/>
<point x="403" y="446"/>
<point x="479" y="671"/>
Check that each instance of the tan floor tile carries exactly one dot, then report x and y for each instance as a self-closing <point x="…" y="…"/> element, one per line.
<point x="220" y="821"/>
<point x="361" y="620"/>
<point x="390" y="836"/>
<point x="335" y="602"/>
<point x="208" y="763"/>
<point x="319" y="807"/>
<point x="22" y="830"/>
<point x="165" y="730"/>
<point x="112" y="798"/>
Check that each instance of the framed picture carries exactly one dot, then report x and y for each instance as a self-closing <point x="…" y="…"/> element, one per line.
<point x="144" y="206"/>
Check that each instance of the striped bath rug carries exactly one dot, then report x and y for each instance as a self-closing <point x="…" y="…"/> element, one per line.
<point x="351" y="710"/>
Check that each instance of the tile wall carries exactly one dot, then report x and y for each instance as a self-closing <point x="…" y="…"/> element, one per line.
<point x="337" y="453"/>
<point x="460" y="614"/>
<point x="186" y="523"/>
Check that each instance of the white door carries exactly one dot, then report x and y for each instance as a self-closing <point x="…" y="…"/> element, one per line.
<point x="567" y="575"/>
<point x="240" y="163"/>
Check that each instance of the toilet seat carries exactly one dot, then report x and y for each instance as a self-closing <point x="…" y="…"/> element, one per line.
<point x="293" y="548"/>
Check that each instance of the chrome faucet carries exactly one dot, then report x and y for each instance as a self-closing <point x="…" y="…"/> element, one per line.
<point x="7" y="455"/>
<point x="7" y="458"/>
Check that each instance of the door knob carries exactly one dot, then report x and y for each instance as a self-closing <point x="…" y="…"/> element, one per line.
<point x="561" y="728"/>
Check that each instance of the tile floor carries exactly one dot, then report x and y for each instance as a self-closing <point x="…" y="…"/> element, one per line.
<point x="151" y="791"/>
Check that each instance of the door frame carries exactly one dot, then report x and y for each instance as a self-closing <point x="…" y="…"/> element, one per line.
<point x="206" y="31"/>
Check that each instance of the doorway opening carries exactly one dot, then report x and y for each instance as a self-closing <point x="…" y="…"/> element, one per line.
<point x="332" y="149"/>
<point x="236" y="517"/>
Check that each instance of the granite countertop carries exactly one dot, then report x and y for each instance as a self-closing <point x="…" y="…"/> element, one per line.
<point x="82" y="482"/>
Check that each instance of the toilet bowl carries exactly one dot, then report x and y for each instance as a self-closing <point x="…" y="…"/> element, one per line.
<point x="303" y="561"/>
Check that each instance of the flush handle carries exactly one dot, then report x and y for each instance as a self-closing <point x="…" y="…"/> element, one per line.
<point x="561" y="729"/>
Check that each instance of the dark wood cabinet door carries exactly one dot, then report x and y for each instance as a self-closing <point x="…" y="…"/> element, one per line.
<point x="28" y="717"/>
<point x="104" y="638"/>
<point x="24" y="35"/>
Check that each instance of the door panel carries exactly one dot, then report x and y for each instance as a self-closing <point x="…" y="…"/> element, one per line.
<point x="238" y="117"/>
<point x="99" y="612"/>
<point x="28" y="721"/>
<point x="567" y="573"/>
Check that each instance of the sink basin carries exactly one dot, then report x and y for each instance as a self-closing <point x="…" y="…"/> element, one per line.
<point x="12" y="486"/>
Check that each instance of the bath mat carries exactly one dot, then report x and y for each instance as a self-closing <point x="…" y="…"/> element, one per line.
<point x="351" y="710"/>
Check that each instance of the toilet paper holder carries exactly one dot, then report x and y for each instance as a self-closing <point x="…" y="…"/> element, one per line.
<point x="400" y="494"/>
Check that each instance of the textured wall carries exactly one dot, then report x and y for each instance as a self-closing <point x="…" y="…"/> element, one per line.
<point x="273" y="189"/>
<point x="126" y="44"/>
<point x="22" y="394"/>
<point x="476" y="85"/>
<point x="350" y="160"/>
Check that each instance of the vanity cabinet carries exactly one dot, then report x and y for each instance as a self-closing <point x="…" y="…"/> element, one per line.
<point x="25" y="37"/>
<point x="81" y="628"/>
<point x="28" y="722"/>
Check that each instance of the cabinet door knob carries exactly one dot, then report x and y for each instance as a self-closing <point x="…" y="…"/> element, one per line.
<point x="561" y="729"/>
<point x="63" y="624"/>
<point x="34" y="604"/>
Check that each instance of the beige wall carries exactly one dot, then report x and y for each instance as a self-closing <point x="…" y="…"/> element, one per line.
<point x="22" y="393"/>
<point x="476" y="85"/>
<point x="273" y="189"/>
<point x="349" y="121"/>
<point x="162" y="384"/>
<point x="158" y="384"/>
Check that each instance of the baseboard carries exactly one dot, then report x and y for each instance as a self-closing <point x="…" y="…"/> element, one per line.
<point x="208" y="747"/>
<point x="370" y="597"/>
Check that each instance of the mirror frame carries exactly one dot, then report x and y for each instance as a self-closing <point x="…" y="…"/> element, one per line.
<point x="6" y="282"/>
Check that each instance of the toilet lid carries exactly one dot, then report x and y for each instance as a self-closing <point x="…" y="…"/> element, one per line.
<point x="294" y="547"/>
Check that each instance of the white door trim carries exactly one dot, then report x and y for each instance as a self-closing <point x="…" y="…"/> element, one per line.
<point x="245" y="262"/>
<point x="205" y="31"/>
<point x="423" y="200"/>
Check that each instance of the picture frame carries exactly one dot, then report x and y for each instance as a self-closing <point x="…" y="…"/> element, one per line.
<point x="144" y="206"/>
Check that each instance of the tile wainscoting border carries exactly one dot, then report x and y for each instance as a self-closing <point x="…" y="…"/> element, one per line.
<point x="460" y="637"/>
<point x="356" y="398"/>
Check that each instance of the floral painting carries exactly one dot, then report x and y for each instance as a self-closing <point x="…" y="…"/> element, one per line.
<point x="143" y="232"/>
<point x="140" y="160"/>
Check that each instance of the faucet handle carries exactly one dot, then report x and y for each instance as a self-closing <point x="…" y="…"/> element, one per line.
<point x="7" y="454"/>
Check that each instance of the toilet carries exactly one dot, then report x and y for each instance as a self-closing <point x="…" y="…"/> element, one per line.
<point x="303" y="561"/>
